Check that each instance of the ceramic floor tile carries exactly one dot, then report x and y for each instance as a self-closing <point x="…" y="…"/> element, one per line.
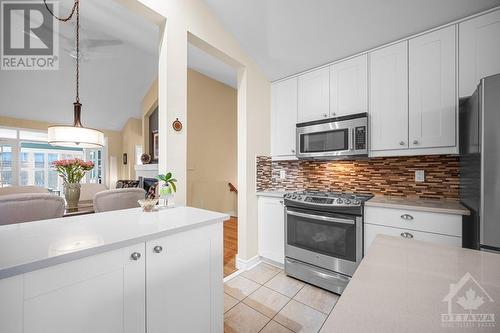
<point x="274" y="327"/>
<point x="285" y="285"/>
<point x="229" y="302"/>
<point x="266" y="301"/>
<point x="261" y="273"/>
<point x="300" y="318"/>
<point x="317" y="298"/>
<point x="240" y="287"/>
<point x="244" y="319"/>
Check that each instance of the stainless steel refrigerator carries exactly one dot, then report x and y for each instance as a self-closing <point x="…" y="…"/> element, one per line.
<point x="480" y="165"/>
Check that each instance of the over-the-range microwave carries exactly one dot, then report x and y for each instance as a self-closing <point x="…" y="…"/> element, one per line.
<point x="336" y="138"/>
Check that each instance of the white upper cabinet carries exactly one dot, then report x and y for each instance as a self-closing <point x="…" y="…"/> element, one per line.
<point x="283" y="117"/>
<point x="479" y="53"/>
<point x="432" y="86"/>
<point x="349" y="86"/>
<point x="389" y="97"/>
<point x="314" y="91"/>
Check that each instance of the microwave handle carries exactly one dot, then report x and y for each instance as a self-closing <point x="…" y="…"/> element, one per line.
<point x="353" y="137"/>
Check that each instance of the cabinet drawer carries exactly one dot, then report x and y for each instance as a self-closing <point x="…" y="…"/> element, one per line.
<point x="371" y="231"/>
<point x="446" y="224"/>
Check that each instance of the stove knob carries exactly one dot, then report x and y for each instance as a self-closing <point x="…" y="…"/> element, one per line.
<point x="347" y="201"/>
<point x="357" y="202"/>
<point x="339" y="200"/>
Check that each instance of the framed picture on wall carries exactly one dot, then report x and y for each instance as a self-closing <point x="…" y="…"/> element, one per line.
<point x="156" y="145"/>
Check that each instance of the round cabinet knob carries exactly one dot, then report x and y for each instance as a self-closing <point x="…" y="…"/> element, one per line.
<point x="406" y="235"/>
<point x="415" y="142"/>
<point x="157" y="249"/>
<point x="293" y="151"/>
<point x="407" y="217"/>
<point x="401" y="143"/>
<point x="325" y="115"/>
<point x="135" y="256"/>
<point x="334" y="114"/>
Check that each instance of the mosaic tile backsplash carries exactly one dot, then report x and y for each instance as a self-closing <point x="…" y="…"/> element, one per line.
<point x="382" y="175"/>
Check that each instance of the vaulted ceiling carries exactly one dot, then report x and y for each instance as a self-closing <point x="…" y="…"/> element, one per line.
<point x="285" y="37"/>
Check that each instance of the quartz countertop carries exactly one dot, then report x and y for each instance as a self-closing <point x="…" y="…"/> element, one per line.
<point x="404" y="285"/>
<point x="429" y="205"/>
<point x="25" y="247"/>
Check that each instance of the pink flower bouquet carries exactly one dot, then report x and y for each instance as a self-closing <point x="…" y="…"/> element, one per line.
<point x="72" y="171"/>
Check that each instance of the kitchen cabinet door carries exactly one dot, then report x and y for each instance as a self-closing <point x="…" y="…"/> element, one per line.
<point x="349" y="86"/>
<point x="372" y="230"/>
<point x="432" y="89"/>
<point x="104" y="293"/>
<point x="389" y="97"/>
<point x="271" y="229"/>
<point x="184" y="282"/>
<point x="479" y="51"/>
<point x="283" y="117"/>
<point x="313" y="99"/>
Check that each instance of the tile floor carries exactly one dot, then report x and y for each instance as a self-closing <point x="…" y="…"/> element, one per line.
<point x="265" y="300"/>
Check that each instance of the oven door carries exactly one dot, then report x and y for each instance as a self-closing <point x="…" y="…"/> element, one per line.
<point x="327" y="240"/>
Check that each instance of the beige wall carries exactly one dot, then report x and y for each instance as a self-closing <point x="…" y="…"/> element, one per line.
<point x="211" y="144"/>
<point x="179" y="21"/>
<point x="131" y="136"/>
<point x="149" y="103"/>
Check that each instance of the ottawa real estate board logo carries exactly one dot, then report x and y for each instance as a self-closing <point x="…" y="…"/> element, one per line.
<point x="29" y="36"/>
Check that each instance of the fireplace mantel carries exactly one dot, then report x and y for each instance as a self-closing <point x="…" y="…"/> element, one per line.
<point x="146" y="170"/>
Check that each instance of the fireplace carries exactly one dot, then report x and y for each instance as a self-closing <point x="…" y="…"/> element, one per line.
<point x="145" y="183"/>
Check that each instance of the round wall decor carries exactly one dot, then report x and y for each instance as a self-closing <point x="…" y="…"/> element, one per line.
<point x="145" y="158"/>
<point x="177" y="125"/>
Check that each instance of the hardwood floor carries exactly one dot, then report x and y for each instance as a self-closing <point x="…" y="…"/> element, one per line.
<point x="230" y="245"/>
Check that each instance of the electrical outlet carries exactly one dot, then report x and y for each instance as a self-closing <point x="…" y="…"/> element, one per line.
<point x="282" y="174"/>
<point x="419" y="176"/>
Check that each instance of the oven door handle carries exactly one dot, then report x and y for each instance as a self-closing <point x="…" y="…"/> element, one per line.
<point x="321" y="218"/>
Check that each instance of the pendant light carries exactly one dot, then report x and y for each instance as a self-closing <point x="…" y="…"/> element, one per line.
<point x="75" y="135"/>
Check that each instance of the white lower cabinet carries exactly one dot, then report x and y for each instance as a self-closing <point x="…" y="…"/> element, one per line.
<point x="129" y="290"/>
<point x="437" y="228"/>
<point x="184" y="282"/>
<point x="271" y="229"/>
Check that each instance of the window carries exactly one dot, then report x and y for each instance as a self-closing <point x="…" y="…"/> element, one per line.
<point x="26" y="159"/>
<point x="6" y="170"/>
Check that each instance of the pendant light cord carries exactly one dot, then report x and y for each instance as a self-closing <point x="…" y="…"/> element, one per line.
<point x="75" y="9"/>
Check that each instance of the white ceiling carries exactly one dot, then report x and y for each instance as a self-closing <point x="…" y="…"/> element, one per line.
<point x="285" y="37"/>
<point x="210" y="66"/>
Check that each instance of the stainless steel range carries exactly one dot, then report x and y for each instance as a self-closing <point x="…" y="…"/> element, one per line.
<point x="324" y="237"/>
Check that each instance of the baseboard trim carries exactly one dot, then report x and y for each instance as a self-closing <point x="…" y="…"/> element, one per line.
<point x="245" y="265"/>
<point x="272" y="262"/>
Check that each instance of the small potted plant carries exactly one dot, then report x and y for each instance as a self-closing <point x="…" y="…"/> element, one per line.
<point x="72" y="172"/>
<point x="167" y="188"/>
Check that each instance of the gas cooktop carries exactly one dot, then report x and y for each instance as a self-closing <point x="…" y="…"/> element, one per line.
<point x="330" y="199"/>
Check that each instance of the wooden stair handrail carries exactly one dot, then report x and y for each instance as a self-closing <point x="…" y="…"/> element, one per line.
<point x="232" y="188"/>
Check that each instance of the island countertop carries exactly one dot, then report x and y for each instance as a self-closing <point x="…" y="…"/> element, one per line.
<point x="405" y="285"/>
<point x="30" y="246"/>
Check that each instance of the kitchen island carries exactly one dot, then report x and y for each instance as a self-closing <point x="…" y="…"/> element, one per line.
<point x="404" y="285"/>
<point x="120" y="271"/>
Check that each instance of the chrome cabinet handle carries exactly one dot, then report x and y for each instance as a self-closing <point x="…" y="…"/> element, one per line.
<point x="401" y="143"/>
<point x="157" y="249"/>
<point x="407" y="217"/>
<point x="135" y="256"/>
<point x="415" y="142"/>
<point x="406" y="235"/>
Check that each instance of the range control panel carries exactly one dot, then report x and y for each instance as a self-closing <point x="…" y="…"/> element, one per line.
<point x="360" y="138"/>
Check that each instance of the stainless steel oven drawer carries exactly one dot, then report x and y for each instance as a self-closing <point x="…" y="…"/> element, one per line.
<point x="317" y="276"/>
